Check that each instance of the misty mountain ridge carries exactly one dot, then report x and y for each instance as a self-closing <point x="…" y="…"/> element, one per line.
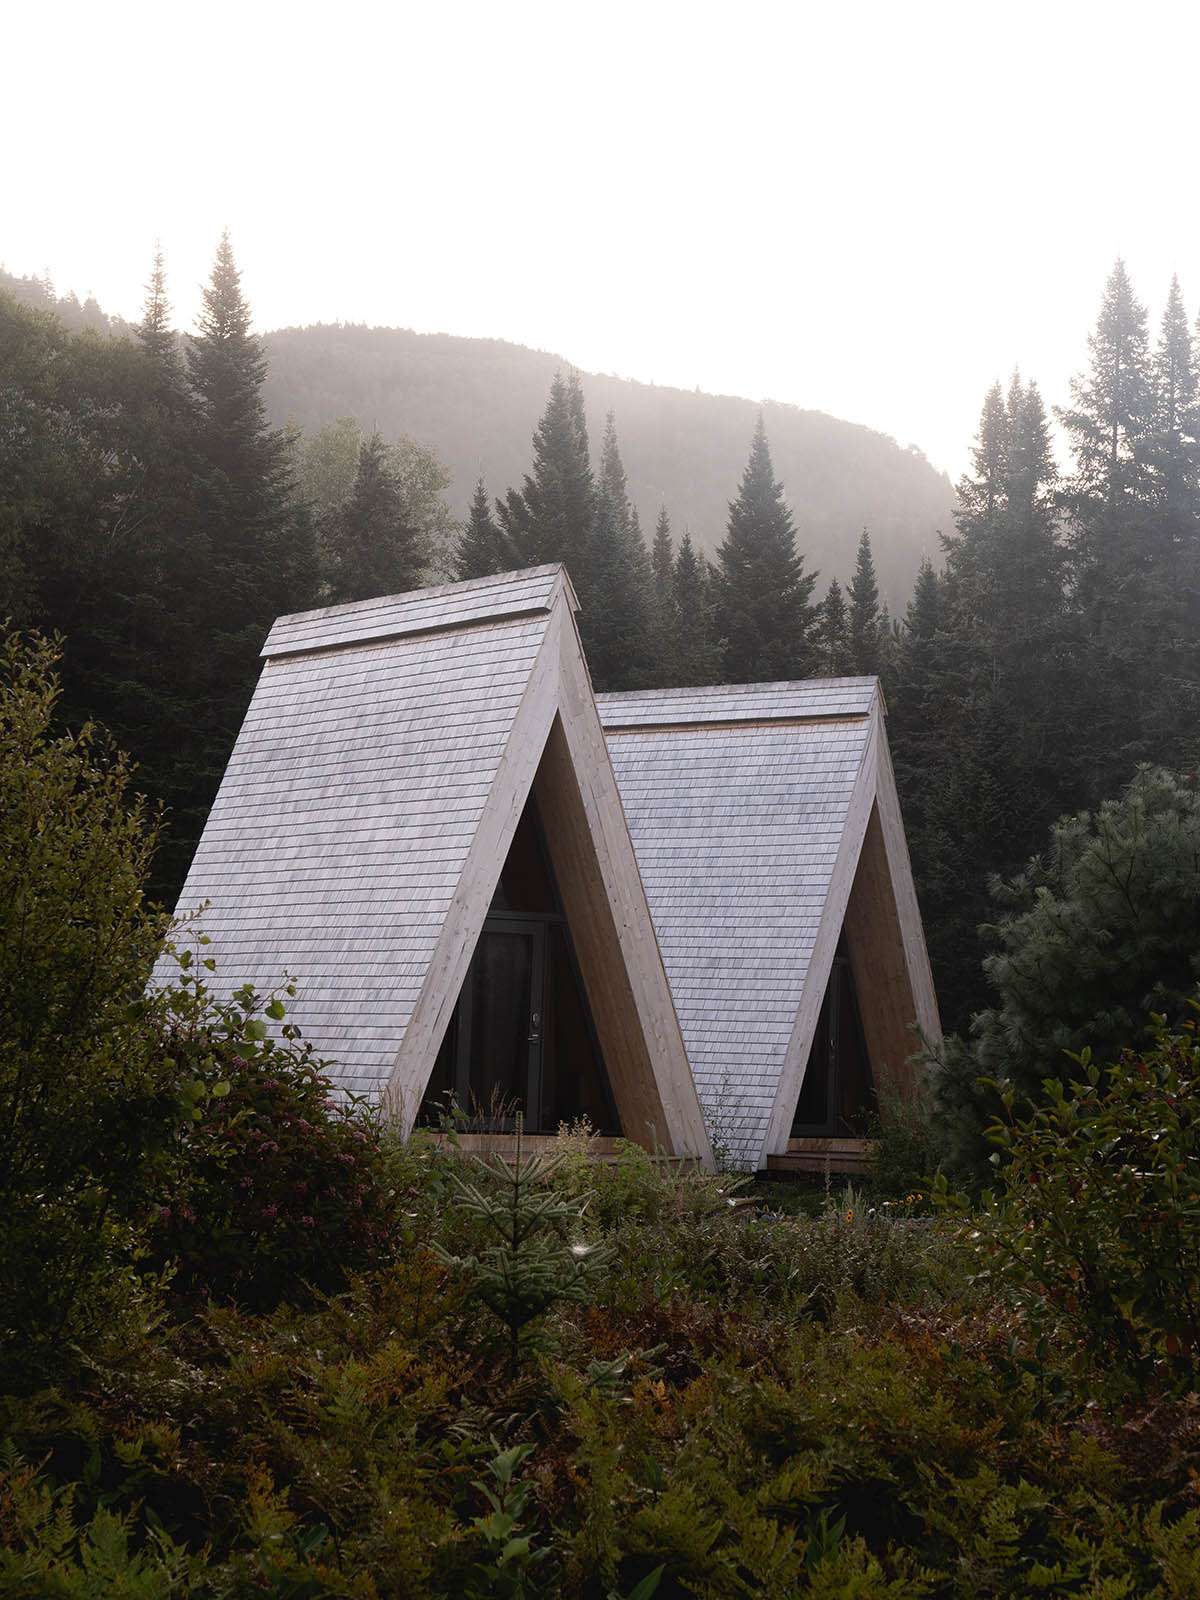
<point x="476" y="402"/>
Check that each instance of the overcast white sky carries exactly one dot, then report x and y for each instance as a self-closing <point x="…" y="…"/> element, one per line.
<point x="871" y="209"/>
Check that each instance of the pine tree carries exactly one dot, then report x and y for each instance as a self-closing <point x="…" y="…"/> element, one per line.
<point x="615" y="622"/>
<point x="834" y="633"/>
<point x="662" y="557"/>
<point x="1174" y="447"/>
<point x="664" y="608"/>
<point x="763" y="612"/>
<point x="1003" y="562"/>
<point x="375" y="550"/>
<point x="697" y="652"/>
<point x="864" y="611"/>
<point x="1135" y="620"/>
<point x="263" y="552"/>
<point x="1028" y="572"/>
<point x="482" y="548"/>
<point x="550" y="517"/>
<point x="922" y="620"/>
<point x="155" y="333"/>
<point x="1112" y="413"/>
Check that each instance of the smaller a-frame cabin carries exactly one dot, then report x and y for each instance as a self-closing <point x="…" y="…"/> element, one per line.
<point x="420" y="824"/>
<point x="768" y="835"/>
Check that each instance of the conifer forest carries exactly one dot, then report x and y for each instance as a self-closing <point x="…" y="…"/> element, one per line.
<point x="254" y="1342"/>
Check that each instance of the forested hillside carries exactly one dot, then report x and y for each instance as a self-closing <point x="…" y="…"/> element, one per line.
<point x="475" y="403"/>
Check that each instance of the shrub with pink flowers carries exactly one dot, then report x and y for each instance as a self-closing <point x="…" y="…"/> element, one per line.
<point x="280" y="1189"/>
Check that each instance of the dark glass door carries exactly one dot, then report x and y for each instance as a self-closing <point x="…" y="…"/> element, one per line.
<point x="504" y="1022"/>
<point x="837" y="1095"/>
<point x="521" y="1038"/>
<point x="490" y="1063"/>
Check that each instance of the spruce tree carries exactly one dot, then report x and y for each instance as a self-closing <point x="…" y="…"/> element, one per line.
<point x="615" y="620"/>
<point x="481" y="549"/>
<point x="697" y="652"/>
<point x="155" y="333"/>
<point x="664" y="608"/>
<point x="1174" y="446"/>
<point x="375" y="550"/>
<point x="764" y="616"/>
<point x="834" y="633"/>
<point x="662" y="556"/>
<point x="1111" y="416"/>
<point x="864" y="611"/>
<point x="1134" y="620"/>
<point x="254" y="534"/>
<point x="261" y="542"/>
<point x="550" y="517"/>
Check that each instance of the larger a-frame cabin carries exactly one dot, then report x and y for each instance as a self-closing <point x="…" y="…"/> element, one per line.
<point x="420" y="824"/>
<point x="769" y="839"/>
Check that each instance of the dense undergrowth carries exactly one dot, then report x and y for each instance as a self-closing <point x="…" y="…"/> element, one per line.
<point x="728" y="1405"/>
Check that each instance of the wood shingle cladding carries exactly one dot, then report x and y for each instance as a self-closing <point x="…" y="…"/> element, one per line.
<point x="369" y="805"/>
<point x="764" y="819"/>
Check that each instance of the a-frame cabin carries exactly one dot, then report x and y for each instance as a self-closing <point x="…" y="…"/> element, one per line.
<point x="420" y="824"/>
<point x="768" y="835"/>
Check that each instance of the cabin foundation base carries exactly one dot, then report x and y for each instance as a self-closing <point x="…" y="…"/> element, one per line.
<point x="848" y="1158"/>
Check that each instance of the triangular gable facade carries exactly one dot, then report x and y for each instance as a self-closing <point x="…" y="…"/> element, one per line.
<point x="357" y="841"/>
<point x="768" y="835"/>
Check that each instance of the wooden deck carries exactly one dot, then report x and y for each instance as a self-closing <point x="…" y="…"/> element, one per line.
<point x="846" y="1157"/>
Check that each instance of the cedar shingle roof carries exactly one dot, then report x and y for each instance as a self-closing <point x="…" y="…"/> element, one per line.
<point x="351" y="799"/>
<point x="737" y="801"/>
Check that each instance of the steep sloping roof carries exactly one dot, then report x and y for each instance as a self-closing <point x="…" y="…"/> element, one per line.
<point x="748" y="806"/>
<point x="367" y="810"/>
<point x="343" y="822"/>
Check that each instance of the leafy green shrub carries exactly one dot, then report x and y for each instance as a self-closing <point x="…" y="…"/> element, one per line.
<point x="279" y="1186"/>
<point x="88" y="1108"/>
<point x="1097" y="1229"/>
<point x="1096" y="933"/>
<point x="906" y="1146"/>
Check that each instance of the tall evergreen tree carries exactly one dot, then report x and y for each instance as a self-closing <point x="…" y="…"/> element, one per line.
<point x="834" y="633"/>
<point x="155" y="333"/>
<point x="1127" y="499"/>
<point x="664" y="609"/>
<point x="550" y="517"/>
<point x="482" y="548"/>
<point x="375" y="550"/>
<point x="615" y="621"/>
<point x="1110" y="417"/>
<point x="1174" y="446"/>
<point x="697" y="652"/>
<point x="662" y="556"/>
<point x="864" y="610"/>
<point x="764" y="614"/>
<point x="264" y="557"/>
